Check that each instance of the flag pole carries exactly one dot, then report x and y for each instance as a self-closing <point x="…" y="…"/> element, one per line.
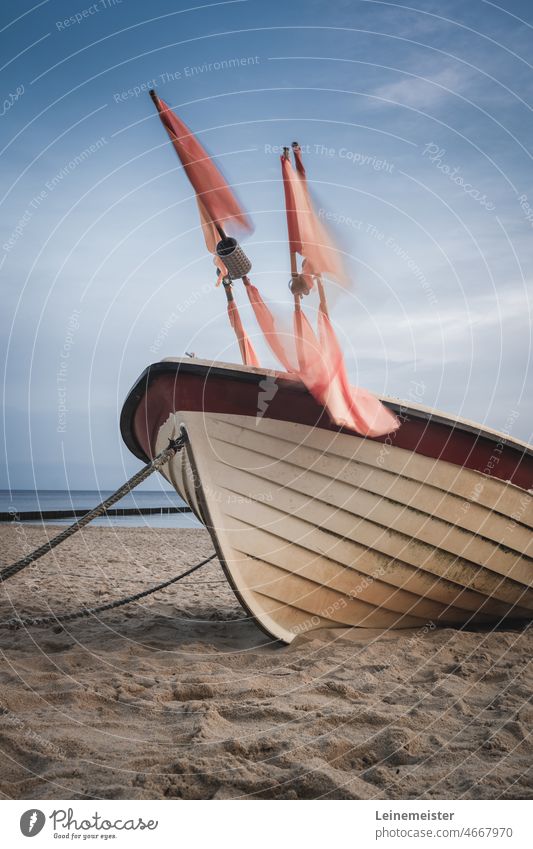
<point x="295" y="288"/>
<point x="294" y="264"/>
<point x="226" y="248"/>
<point x="300" y="168"/>
<point x="248" y="354"/>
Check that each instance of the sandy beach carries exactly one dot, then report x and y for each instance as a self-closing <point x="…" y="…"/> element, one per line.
<point x="181" y="696"/>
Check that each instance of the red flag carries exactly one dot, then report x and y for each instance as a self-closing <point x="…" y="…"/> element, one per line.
<point x="249" y="357"/>
<point x="297" y="151"/>
<point x="322" y="369"/>
<point x="315" y="369"/>
<point x="348" y="405"/>
<point x="303" y="334"/>
<point x="211" y="237"/>
<point x="307" y="234"/>
<point x="321" y="365"/>
<point x="209" y="230"/>
<point x="218" y="199"/>
<point x="318" y="366"/>
<point x="293" y="225"/>
<point x="275" y="340"/>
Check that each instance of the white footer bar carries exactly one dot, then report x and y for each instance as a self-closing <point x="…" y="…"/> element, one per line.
<point x="268" y="824"/>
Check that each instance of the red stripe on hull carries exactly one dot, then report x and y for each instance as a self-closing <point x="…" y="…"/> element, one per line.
<point x="213" y="392"/>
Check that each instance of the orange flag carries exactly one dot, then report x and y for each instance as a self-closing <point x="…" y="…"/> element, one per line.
<point x="275" y="340"/>
<point x="321" y="365"/>
<point x="211" y="237"/>
<point x="348" y="405"/>
<point x="307" y="234"/>
<point x="249" y="357"/>
<point x="297" y="151"/>
<point x="322" y="369"/>
<point x="209" y="230"/>
<point x="219" y="201"/>
<point x="317" y="365"/>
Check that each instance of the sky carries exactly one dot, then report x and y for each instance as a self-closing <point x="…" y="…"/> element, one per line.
<point x="416" y="122"/>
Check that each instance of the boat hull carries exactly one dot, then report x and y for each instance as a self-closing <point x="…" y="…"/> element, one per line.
<point x="319" y="527"/>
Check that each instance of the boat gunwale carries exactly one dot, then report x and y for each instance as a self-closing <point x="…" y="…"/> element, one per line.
<point x="248" y="374"/>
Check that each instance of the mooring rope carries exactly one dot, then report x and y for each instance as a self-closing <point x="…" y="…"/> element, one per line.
<point x="163" y="457"/>
<point x="58" y="618"/>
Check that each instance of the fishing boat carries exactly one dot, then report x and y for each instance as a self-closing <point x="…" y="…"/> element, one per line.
<point x="329" y="507"/>
<point x="316" y="526"/>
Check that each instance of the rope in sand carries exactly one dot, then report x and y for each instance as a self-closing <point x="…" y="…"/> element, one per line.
<point x="59" y="618"/>
<point x="16" y="622"/>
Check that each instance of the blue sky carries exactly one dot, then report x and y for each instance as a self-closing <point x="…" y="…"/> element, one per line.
<point x="417" y="124"/>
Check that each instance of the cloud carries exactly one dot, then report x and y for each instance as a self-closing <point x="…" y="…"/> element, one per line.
<point x="423" y="92"/>
<point x="455" y="332"/>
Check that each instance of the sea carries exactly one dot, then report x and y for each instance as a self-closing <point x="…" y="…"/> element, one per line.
<point x="22" y="500"/>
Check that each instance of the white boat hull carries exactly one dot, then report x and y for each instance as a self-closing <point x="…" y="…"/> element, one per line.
<point x="316" y="531"/>
<point x="317" y="527"/>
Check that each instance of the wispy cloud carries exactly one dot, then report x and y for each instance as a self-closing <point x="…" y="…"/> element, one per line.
<point x="423" y="92"/>
<point x="450" y="333"/>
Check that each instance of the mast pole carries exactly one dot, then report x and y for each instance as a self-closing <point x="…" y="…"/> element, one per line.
<point x="292" y="254"/>
<point x="297" y="151"/>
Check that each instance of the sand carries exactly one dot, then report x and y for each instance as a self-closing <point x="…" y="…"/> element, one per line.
<point x="182" y="696"/>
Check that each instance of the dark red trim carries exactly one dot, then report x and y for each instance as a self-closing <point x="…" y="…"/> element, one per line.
<point x="169" y="387"/>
